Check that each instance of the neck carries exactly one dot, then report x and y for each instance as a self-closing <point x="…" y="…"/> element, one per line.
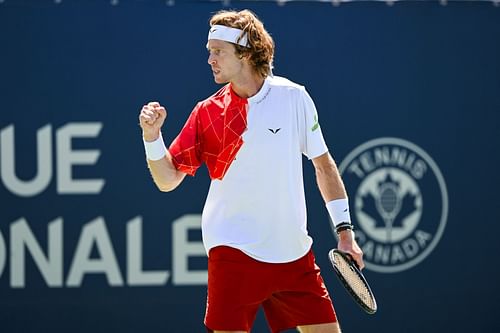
<point x="248" y="86"/>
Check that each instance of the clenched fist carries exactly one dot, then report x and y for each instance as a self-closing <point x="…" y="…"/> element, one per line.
<point x="151" y="120"/>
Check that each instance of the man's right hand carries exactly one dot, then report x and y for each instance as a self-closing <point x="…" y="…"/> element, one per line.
<point x="151" y="120"/>
<point x="347" y="243"/>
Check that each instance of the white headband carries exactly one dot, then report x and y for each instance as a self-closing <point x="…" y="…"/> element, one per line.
<point x="228" y="34"/>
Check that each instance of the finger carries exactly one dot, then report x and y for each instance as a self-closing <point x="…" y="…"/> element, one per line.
<point x="162" y="113"/>
<point x="145" y="113"/>
<point x="150" y="111"/>
<point x="356" y="258"/>
<point x="359" y="261"/>
<point x="154" y="104"/>
<point x="143" y="121"/>
<point x="147" y="109"/>
<point x="151" y="114"/>
<point x="147" y="117"/>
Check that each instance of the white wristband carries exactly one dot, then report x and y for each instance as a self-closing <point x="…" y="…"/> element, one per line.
<point x="155" y="150"/>
<point x="339" y="211"/>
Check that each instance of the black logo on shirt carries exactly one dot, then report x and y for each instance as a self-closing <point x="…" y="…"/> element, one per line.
<point x="274" y="131"/>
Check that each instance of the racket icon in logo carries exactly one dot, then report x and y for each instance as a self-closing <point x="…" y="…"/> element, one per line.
<point x="388" y="205"/>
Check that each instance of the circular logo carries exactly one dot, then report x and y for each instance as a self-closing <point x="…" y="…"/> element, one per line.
<point x="399" y="202"/>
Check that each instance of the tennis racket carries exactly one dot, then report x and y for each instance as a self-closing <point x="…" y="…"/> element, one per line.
<point x="353" y="280"/>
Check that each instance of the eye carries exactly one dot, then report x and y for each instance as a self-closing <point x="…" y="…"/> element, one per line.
<point x="214" y="51"/>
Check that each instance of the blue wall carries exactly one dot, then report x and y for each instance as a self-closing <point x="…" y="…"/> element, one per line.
<point x="78" y="73"/>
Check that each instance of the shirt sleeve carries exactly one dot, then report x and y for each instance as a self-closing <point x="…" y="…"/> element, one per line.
<point x="312" y="141"/>
<point x="185" y="149"/>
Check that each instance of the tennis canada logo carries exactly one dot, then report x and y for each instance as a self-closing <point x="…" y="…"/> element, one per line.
<point x="399" y="202"/>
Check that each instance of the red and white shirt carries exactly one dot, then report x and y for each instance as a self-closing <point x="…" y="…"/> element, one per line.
<point x="253" y="151"/>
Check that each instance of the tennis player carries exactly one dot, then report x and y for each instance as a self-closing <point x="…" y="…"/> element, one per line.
<point x="251" y="135"/>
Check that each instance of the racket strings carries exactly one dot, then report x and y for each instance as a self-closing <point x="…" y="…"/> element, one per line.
<point x="356" y="283"/>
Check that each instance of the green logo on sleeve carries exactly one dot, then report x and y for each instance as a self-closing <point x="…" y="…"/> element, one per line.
<point x="316" y="123"/>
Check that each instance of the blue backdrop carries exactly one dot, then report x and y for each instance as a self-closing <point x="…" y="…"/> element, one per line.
<point x="409" y="102"/>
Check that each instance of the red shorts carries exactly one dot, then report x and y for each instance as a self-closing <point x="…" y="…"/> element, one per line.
<point x="291" y="294"/>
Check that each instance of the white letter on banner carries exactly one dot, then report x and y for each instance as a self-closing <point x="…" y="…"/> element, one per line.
<point x="135" y="275"/>
<point x="94" y="232"/>
<point x="183" y="249"/>
<point x="3" y="254"/>
<point x="26" y="188"/>
<point x="51" y="266"/>
<point x="66" y="158"/>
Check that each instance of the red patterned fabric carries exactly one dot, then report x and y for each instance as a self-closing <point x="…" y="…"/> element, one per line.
<point x="212" y="134"/>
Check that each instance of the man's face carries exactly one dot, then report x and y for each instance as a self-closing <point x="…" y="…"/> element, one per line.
<point x="226" y="65"/>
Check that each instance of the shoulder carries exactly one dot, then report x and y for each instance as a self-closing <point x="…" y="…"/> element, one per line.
<point x="297" y="92"/>
<point x="217" y="99"/>
<point x="285" y="85"/>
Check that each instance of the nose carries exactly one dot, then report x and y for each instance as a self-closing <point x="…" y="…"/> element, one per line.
<point x="211" y="60"/>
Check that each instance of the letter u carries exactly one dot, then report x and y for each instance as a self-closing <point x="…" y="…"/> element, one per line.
<point x="26" y="188"/>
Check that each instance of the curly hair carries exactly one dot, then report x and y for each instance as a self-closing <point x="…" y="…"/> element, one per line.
<point x="261" y="45"/>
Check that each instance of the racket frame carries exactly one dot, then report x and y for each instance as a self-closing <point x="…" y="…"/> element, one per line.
<point x="353" y="267"/>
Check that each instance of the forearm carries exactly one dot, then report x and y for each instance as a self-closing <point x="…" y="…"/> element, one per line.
<point x="334" y="193"/>
<point x="328" y="179"/>
<point x="165" y="175"/>
<point x="163" y="170"/>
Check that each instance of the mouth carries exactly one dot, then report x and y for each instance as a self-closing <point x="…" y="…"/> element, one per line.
<point x="215" y="71"/>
